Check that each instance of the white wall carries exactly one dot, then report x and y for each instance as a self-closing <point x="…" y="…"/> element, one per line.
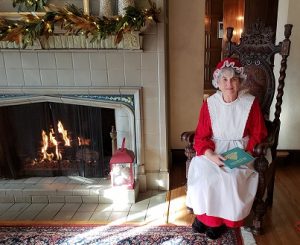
<point x="289" y="138"/>
<point x="186" y="66"/>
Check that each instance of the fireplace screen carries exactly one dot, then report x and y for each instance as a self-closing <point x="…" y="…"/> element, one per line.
<point x="55" y="139"/>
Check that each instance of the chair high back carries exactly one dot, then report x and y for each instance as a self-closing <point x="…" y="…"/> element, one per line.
<point x="256" y="52"/>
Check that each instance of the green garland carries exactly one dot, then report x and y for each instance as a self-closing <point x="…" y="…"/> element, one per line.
<point x="72" y="19"/>
<point x="29" y="5"/>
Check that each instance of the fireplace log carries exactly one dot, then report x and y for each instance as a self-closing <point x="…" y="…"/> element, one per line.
<point x="87" y="155"/>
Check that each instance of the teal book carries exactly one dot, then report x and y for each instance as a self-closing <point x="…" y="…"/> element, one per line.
<point x="237" y="157"/>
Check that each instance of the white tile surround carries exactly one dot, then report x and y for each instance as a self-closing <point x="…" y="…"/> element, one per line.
<point x="64" y="189"/>
<point x="97" y="71"/>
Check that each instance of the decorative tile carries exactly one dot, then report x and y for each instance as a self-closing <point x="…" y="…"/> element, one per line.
<point x="3" y="78"/>
<point x="100" y="216"/>
<point x="98" y="61"/>
<point x="73" y="199"/>
<point x="15" y="77"/>
<point x="82" y="216"/>
<point x="115" y="61"/>
<point x="65" y="77"/>
<point x="12" y="60"/>
<point x="82" y="77"/>
<point x="87" y="207"/>
<point x="116" y="77"/>
<point x="40" y="199"/>
<point x="49" y="77"/>
<point x="29" y="60"/>
<point x="133" y="77"/>
<point x="64" y="60"/>
<point x="46" y="60"/>
<point x="149" y="61"/>
<point x="1" y="61"/>
<point x="81" y="61"/>
<point x="32" y="77"/>
<point x="99" y="78"/>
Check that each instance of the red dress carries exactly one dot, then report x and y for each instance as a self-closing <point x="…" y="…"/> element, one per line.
<point x="256" y="131"/>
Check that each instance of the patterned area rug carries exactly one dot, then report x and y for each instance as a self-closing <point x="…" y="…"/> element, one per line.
<point x="106" y="234"/>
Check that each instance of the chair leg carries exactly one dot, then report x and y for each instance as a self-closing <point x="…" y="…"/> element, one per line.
<point x="257" y="226"/>
<point x="259" y="212"/>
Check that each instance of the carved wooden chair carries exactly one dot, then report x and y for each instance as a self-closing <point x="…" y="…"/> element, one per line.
<point x="256" y="52"/>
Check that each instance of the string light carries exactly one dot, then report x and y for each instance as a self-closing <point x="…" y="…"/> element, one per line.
<point x="72" y="21"/>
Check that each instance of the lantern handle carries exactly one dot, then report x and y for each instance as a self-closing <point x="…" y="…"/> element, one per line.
<point x="123" y="144"/>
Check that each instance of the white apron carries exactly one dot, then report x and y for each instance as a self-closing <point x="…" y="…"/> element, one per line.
<point x="221" y="191"/>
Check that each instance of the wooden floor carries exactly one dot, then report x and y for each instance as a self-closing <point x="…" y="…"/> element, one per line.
<point x="281" y="220"/>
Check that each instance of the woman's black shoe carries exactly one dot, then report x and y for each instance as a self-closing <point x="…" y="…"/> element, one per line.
<point x="198" y="227"/>
<point x="215" y="232"/>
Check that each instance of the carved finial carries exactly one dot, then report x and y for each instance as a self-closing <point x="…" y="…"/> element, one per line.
<point x="113" y="135"/>
<point x="287" y="30"/>
<point x="229" y="33"/>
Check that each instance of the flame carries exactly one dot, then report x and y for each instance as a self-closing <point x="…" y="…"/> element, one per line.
<point x="50" y="141"/>
<point x="53" y="141"/>
<point x="64" y="133"/>
<point x="45" y="144"/>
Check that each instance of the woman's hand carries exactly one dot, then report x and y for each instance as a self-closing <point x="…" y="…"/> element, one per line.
<point x="214" y="157"/>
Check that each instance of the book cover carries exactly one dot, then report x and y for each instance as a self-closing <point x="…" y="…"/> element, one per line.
<point x="237" y="157"/>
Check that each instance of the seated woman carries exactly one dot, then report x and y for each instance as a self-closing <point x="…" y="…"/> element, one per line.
<point x="221" y="197"/>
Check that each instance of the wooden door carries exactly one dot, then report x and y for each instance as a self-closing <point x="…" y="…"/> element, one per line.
<point x="213" y="41"/>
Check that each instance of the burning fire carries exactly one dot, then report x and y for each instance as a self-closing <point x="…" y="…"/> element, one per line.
<point x="64" y="133"/>
<point x="50" y="141"/>
<point x="45" y="138"/>
<point x="50" y="144"/>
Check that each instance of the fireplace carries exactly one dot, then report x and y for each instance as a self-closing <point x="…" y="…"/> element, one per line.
<point x="56" y="139"/>
<point x="131" y="82"/>
<point x="65" y="134"/>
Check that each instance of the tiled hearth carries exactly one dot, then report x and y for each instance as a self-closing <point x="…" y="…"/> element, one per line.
<point x="151" y="206"/>
<point x="76" y="189"/>
<point x="64" y="189"/>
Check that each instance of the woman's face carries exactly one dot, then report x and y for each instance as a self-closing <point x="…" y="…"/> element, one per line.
<point x="229" y="83"/>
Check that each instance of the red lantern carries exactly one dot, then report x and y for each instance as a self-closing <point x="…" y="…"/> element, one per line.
<point x="121" y="166"/>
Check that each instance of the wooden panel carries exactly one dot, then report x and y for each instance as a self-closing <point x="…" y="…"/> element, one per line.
<point x="213" y="44"/>
<point x="265" y="10"/>
<point x="233" y="16"/>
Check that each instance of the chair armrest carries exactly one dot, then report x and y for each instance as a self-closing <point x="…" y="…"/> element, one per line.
<point x="189" y="151"/>
<point x="260" y="150"/>
<point x="270" y="142"/>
